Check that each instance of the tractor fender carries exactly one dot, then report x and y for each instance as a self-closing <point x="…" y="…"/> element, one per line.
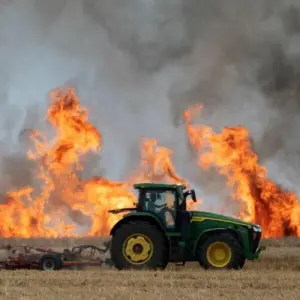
<point x="148" y="217"/>
<point x="205" y="234"/>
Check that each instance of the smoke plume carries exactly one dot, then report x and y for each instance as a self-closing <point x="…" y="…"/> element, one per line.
<point x="137" y="65"/>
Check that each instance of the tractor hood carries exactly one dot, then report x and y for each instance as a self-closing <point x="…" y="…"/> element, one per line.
<point x="218" y="217"/>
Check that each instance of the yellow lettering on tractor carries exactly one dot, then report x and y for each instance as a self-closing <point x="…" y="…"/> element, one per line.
<point x="202" y="219"/>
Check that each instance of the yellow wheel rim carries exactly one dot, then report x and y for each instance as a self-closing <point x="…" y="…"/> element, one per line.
<point x="219" y="254"/>
<point x="138" y="249"/>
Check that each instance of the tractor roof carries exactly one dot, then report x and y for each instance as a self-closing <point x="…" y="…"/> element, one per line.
<point x="157" y="186"/>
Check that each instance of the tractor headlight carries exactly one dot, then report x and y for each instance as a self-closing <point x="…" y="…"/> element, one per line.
<point x="256" y="228"/>
<point x="256" y="231"/>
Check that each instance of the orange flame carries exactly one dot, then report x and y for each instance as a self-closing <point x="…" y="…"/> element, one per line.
<point x="156" y="164"/>
<point x="63" y="204"/>
<point x="261" y="200"/>
<point x="63" y="200"/>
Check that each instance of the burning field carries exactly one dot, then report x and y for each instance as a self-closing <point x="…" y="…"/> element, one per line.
<point x="162" y="78"/>
<point x="61" y="202"/>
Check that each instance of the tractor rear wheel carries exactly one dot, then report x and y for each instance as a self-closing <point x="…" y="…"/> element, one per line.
<point x="221" y="251"/>
<point x="139" y="245"/>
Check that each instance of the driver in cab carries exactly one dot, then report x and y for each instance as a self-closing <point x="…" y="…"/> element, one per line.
<point x="166" y="208"/>
<point x="168" y="213"/>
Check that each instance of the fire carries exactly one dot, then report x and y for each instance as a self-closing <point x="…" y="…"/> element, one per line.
<point x="231" y="153"/>
<point x="63" y="201"/>
<point x="156" y="164"/>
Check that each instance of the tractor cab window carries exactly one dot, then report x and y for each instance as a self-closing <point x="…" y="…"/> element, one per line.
<point x="162" y="203"/>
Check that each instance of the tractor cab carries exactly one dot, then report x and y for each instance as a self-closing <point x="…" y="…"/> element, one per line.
<point x="166" y="201"/>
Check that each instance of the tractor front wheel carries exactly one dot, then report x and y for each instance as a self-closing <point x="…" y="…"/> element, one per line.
<point x="221" y="251"/>
<point x="139" y="245"/>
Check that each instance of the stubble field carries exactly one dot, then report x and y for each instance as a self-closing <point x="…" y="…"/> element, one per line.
<point x="275" y="276"/>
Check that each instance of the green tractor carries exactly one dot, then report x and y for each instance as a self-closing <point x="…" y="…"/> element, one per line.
<point x="160" y="230"/>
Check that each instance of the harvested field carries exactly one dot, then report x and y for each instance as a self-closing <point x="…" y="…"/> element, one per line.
<point x="275" y="276"/>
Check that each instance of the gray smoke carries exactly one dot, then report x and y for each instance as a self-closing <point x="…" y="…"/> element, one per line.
<point x="137" y="65"/>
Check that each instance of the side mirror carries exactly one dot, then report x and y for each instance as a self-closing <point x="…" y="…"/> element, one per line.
<point x="193" y="195"/>
<point x="190" y="193"/>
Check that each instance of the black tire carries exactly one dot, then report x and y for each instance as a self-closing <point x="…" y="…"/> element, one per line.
<point x="50" y="262"/>
<point x="237" y="259"/>
<point x="159" y="257"/>
<point x="241" y="263"/>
